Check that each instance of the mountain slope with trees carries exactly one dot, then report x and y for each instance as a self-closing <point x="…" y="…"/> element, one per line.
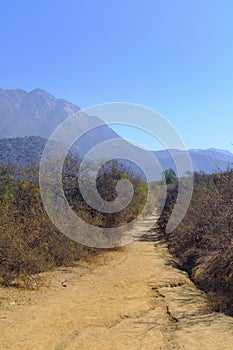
<point x="21" y="151"/>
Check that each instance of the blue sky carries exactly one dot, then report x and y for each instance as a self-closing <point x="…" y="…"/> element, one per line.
<point x="174" y="56"/>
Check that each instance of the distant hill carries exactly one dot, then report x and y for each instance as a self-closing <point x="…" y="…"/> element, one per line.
<point x="208" y="161"/>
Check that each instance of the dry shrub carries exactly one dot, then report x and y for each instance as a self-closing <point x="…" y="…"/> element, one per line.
<point x="29" y="243"/>
<point x="203" y="242"/>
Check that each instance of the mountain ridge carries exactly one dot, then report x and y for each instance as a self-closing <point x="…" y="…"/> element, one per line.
<point x="206" y="160"/>
<point x="27" y="151"/>
<point x="34" y="113"/>
<point x="37" y="113"/>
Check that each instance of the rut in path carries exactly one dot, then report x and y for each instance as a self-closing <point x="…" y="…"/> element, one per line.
<point x="135" y="300"/>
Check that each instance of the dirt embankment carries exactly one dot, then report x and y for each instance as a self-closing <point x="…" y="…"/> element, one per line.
<point x="134" y="299"/>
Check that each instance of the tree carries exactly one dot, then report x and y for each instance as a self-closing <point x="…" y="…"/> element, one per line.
<point x="170" y="176"/>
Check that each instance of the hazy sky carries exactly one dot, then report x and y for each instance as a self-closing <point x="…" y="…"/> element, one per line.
<point x="175" y="56"/>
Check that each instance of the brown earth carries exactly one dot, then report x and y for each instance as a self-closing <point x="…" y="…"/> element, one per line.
<point x="133" y="299"/>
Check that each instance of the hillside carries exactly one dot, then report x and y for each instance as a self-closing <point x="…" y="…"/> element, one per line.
<point x="21" y="151"/>
<point x="26" y="150"/>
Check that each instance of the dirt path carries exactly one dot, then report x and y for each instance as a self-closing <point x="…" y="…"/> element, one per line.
<point x="134" y="300"/>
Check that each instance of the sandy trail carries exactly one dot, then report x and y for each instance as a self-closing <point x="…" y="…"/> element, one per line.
<point x="134" y="300"/>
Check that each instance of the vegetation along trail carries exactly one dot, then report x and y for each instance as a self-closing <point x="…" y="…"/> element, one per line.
<point x="135" y="299"/>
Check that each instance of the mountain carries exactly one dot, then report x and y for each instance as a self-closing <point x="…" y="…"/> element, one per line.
<point x="208" y="161"/>
<point x="34" y="113"/>
<point x="31" y="117"/>
<point x="38" y="113"/>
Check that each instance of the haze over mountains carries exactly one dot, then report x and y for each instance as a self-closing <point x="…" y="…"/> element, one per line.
<point x="208" y="161"/>
<point x="38" y="113"/>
